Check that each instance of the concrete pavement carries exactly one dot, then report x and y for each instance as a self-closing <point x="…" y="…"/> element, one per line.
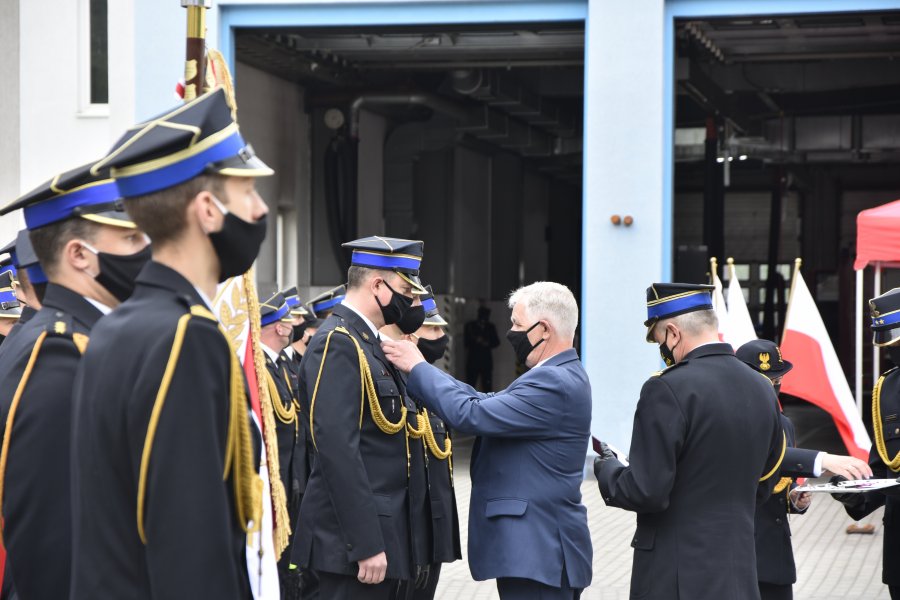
<point x="831" y="565"/>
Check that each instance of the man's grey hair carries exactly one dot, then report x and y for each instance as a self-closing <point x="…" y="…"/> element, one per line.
<point x="552" y="302"/>
<point x="695" y="322"/>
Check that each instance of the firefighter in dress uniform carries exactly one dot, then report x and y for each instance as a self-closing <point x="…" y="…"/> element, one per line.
<point x="165" y="485"/>
<point x="884" y="457"/>
<point x="91" y="252"/>
<point x="363" y="510"/>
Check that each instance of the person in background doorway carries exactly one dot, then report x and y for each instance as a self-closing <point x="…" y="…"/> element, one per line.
<point x="480" y="341"/>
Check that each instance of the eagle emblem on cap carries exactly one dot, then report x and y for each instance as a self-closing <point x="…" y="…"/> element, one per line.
<point x="764" y="361"/>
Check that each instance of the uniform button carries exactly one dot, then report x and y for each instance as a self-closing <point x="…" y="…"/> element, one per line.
<point x="800" y="466"/>
<point x="349" y="547"/>
<point x="778" y="520"/>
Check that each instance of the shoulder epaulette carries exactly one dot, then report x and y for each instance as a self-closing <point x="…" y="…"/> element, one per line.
<point x="199" y="310"/>
<point x="669" y="368"/>
<point x="62" y="327"/>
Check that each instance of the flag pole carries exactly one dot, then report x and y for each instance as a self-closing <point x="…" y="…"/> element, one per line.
<point x="195" y="51"/>
<point x="857" y="384"/>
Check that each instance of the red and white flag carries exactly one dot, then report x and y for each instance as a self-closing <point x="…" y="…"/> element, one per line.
<point x="817" y="376"/>
<point x="740" y="326"/>
<point x="719" y="302"/>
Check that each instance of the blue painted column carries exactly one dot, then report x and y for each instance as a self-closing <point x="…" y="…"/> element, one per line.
<point x="624" y="174"/>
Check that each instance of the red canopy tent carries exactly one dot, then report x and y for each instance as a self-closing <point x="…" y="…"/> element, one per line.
<point x="877" y="244"/>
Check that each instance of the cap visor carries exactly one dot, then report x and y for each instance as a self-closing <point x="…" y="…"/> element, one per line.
<point x="240" y="167"/>
<point x="436" y="320"/>
<point x="417" y="288"/>
<point x="114" y="218"/>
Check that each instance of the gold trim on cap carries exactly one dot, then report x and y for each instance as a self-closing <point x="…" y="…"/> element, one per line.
<point x="676" y="297"/>
<point x="171" y="159"/>
<point x="109" y="221"/>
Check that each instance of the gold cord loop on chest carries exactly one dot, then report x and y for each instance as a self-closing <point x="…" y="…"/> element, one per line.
<point x="878" y="428"/>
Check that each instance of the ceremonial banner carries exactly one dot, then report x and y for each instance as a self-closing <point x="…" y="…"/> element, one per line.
<point x="233" y="308"/>
<point x="718" y="300"/>
<point x="740" y="325"/>
<point x="817" y="376"/>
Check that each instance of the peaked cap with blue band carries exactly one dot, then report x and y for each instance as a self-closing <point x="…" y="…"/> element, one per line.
<point x="326" y="301"/>
<point x="274" y="309"/>
<point x="75" y="193"/>
<point x="666" y="300"/>
<point x="23" y="257"/>
<point x="885" y="311"/>
<point x="196" y="138"/>
<point x="292" y="298"/>
<point x="432" y="315"/>
<point x="404" y="257"/>
<point x="9" y="303"/>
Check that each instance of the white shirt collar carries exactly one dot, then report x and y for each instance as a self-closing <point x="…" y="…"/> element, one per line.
<point x="289" y="351"/>
<point x="271" y="353"/>
<point x="205" y="299"/>
<point x="361" y="316"/>
<point x="99" y="305"/>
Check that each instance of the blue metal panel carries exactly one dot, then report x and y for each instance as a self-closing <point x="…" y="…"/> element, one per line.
<point x="330" y="14"/>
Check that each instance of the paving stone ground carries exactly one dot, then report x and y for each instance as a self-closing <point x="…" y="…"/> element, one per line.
<point x="831" y="565"/>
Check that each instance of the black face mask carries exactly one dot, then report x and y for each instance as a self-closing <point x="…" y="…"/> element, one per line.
<point x="433" y="350"/>
<point x="397" y="308"/>
<point x="412" y="319"/>
<point x="299" y="332"/>
<point x="118" y="271"/>
<point x="667" y="354"/>
<point x="237" y="244"/>
<point x="521" y="346"/>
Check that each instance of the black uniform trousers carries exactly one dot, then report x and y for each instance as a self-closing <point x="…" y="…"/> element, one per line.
<point x="775" y="591"/>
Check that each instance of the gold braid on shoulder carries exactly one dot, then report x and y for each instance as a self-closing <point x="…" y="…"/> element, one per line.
<point x="367" y="392"/>
<point x="288" y="416"/>
<point x="878" y="427"/>
<point x="80" y="340"/>
<point x="238" y="446"/>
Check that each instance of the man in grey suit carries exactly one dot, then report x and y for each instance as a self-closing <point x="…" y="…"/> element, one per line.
<point x="527" y="525"/>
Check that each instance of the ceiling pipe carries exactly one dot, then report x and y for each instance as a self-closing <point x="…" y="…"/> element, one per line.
<point x="432" y="101"/>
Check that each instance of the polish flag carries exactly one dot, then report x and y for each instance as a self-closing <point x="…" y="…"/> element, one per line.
<point x="740" y="325"/>
<point x="719" y="302"/>
<point x="817" y="376"/>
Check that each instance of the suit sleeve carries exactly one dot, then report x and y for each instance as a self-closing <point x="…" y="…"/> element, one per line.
<point x="799" y="462"/>
<point x="335" y="433"/>
<point x="189" y="515"/>
<point x="522" y="410"/>
<point x="656" y="442"/>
